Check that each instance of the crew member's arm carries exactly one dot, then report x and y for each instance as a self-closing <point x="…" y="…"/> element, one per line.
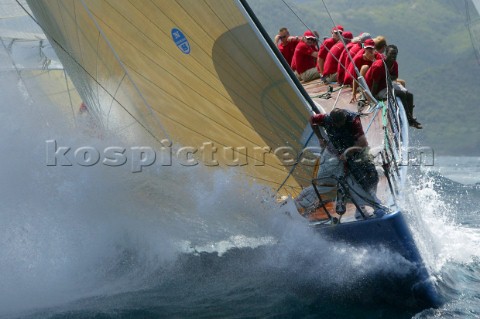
<point x="316" y="121"/>
<point x="277" y="38"/>
<point x="363" y="71"/>
<point x="320" y="63"/>
<point x="294" y="38"/>
<point x="322" y="55"/>
<point x="354" y="91"/>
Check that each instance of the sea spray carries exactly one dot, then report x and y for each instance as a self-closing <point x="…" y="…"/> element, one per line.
<point x="71" y="232"/>
<point x="435" y="214"/>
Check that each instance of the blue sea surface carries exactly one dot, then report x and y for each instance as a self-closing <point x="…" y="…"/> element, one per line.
<point x="115" y="267"/>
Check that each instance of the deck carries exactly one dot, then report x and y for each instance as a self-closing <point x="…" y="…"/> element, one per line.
<point x="329" y="96"/>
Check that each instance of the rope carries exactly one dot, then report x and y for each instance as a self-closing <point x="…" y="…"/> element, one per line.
<point x="320" y="200"/>
<point x="296" y="163"/>
<point x="338" y="96"/>
<point x="296" y="15"/>
<point x="69" y="96"/>
<point x="377" y="108"/>
<point x="385" y="123"/>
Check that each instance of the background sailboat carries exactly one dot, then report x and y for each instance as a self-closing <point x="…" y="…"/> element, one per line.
<point x="473" y="25"/>
<point x="27" y="53"/>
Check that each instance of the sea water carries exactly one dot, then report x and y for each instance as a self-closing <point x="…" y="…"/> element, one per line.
<point x="178" y="242"/>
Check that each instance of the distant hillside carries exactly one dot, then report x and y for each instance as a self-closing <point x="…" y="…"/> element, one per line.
<point x="436" y="57"/>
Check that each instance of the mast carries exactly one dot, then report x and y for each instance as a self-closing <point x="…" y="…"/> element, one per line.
<point x="277" y="55"/>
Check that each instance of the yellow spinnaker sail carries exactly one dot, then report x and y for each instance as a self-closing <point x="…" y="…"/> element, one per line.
<point x="190" y="71"/>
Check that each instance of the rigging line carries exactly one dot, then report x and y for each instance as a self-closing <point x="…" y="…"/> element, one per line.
<point x="373" y="118"/>
<point x="296" y="15"/>
<point x="348" y="52"/>
<point x="329" y="14"/>
<point x="321" y="201"/>
<point x="308" y="28"/>
<point x="338" y="96"/>
<point x="293" y="188"/>
<point x="367" y="197"/>
<point x="296" y="163"/>
<point x="394" y="121"/>
<point x="111" y="103"/>
<point x="86" y="72"/>
<point x="343" y="41"/>
<point x="388" y="144"/>
<point x="390" y="88"/>
<point x="70" y="97"/>
<point x="342" y="65"/>
<point x="117" y="57"/>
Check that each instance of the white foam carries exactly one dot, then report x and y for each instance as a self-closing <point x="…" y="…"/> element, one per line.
<point x="434" y="222"/>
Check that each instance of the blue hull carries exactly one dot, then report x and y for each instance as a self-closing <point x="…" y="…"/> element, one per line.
<point x="392" y="232"/>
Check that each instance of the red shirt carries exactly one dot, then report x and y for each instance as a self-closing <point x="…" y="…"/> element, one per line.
<point x="302" y="58"/>
<point x="376" y="73"/>
<point x="288" y="49"/>
<point x="341" y="65"/>
<point x="353" y="52"/>
<point x="358" y="61"/>
<point x="331" y="62"/>
<point x="327" y="44"/>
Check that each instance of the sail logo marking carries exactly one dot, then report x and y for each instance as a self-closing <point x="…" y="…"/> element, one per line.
<point x="181" y="41"/>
